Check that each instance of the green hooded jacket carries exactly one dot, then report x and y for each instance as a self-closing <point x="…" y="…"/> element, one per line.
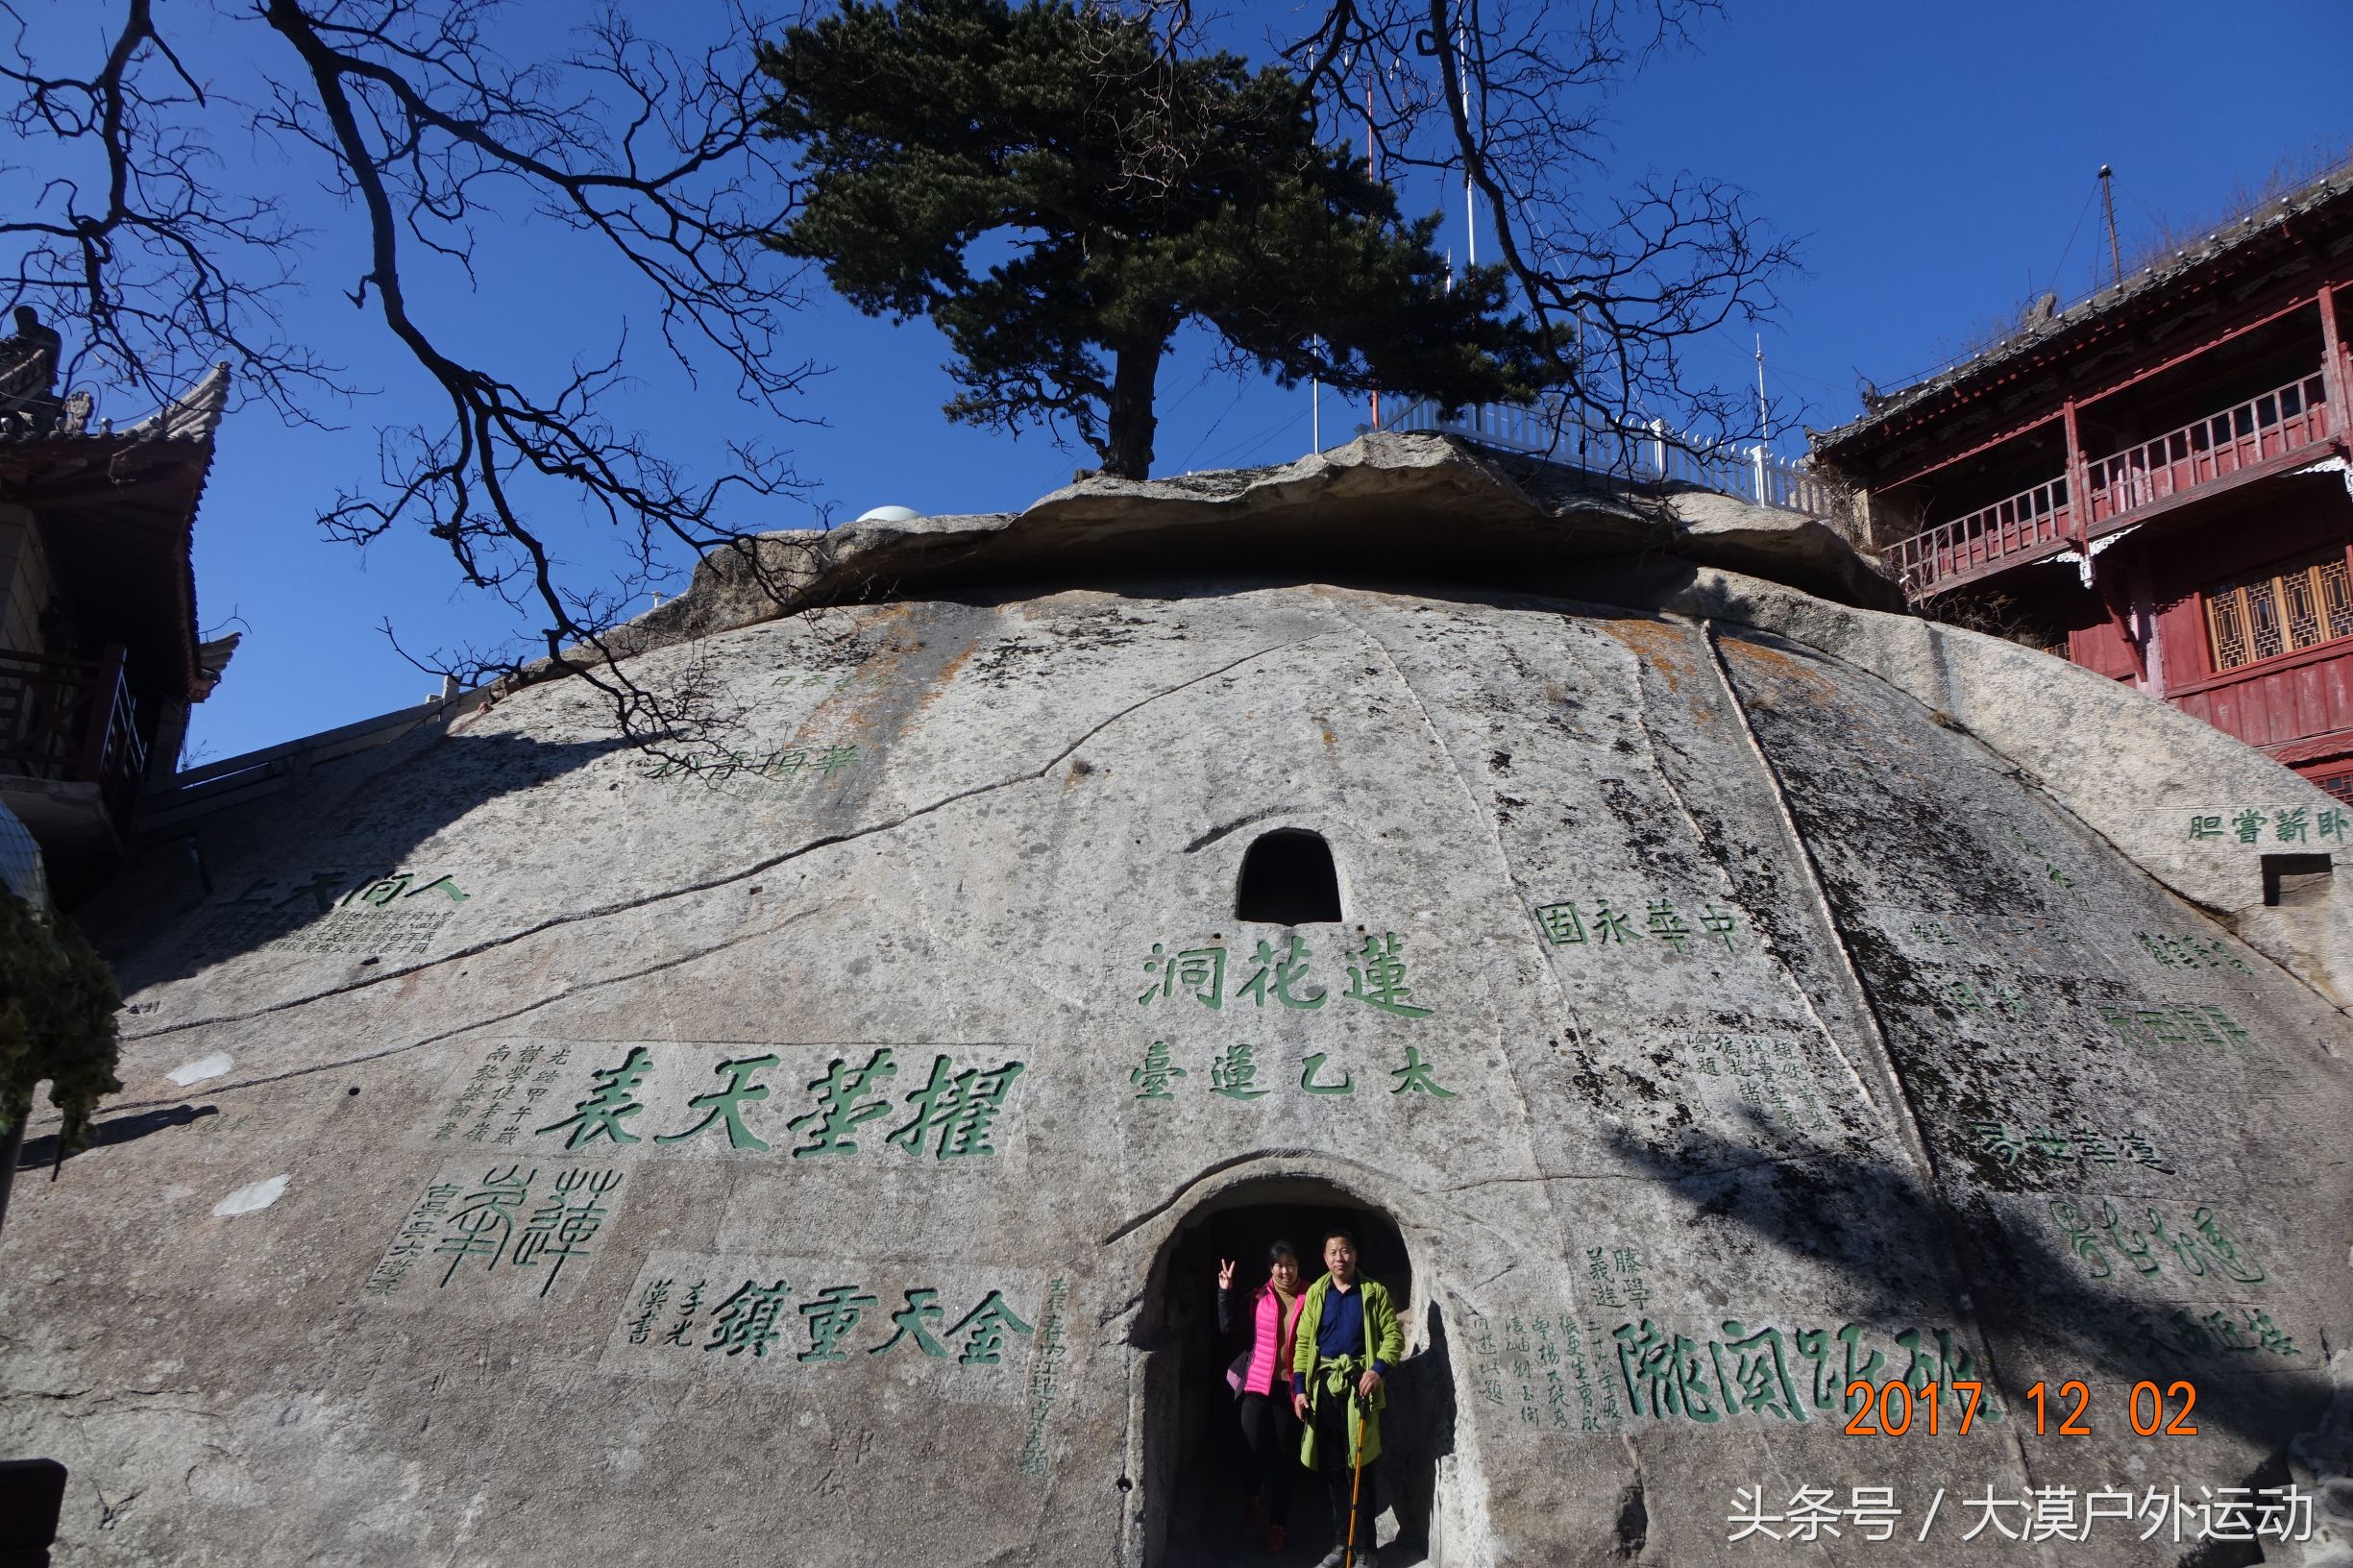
<point x="1384" y="1342"/>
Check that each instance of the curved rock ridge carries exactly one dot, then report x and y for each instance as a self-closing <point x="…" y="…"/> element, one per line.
<point x="1413" y="508"/>
<point x="1735" y="995"/>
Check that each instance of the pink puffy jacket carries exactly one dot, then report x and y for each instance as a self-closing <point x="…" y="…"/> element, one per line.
<point x="1273" y="1340"/>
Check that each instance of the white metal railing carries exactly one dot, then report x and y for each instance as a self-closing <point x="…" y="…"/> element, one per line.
<point x="1575" y="438"/>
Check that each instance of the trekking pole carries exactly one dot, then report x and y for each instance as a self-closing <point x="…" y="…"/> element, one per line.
<point x="1356" y="1488"/>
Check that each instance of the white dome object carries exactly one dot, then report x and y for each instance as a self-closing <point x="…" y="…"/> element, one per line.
<point x="890" y="514"/>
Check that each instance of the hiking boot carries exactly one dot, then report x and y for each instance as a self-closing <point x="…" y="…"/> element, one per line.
<point x="1274" y="1539"/>
<point x="1331" y="1559"/>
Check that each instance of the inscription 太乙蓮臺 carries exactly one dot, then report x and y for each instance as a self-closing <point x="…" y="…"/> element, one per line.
<point x="1233" y="1074"/>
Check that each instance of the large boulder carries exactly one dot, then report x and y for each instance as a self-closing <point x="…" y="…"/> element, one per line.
<point x="533" y="1154"/>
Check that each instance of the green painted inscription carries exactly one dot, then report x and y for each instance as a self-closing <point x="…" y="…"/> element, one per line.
<point x="1376" y="969"/>
<point x="1235" y="1074"/>
<point x="2205" y="1247"/>
<point x="1565" y="925"/>
<point x="2084" y="1146"/>
<point x="1750" y="1371"/>
<point x="2288" y="824"/>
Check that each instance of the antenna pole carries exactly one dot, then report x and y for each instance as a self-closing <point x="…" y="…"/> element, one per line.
<point x="2107" y="197"/>
<point x="1470" y="219"/>
<point x="1368" y="169"/>
<point x="1764" y="417"/>
<point x="1315" y="408"/>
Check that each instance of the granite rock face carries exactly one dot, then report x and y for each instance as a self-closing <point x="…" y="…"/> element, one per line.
<point x="1736" y="994"/>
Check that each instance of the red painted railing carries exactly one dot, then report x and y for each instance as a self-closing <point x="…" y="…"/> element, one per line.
<point x="2276" y="424"/>
<point x="74" y="721"/>
<point x="2214" y="448"/>
<point x="2010" y="526"/>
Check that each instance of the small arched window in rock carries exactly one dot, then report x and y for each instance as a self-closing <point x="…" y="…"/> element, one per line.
<point x="1287" y="879"/>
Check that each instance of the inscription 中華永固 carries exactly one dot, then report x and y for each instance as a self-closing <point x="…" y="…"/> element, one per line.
<point x="1657" y="921"/>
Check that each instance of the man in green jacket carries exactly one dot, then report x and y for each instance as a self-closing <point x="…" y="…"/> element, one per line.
<point x="1348" y="1340"/>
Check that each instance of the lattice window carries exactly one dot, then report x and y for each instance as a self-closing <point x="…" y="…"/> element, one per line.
<point x="2339" y="785"/>
<point x="2280" y="610"/>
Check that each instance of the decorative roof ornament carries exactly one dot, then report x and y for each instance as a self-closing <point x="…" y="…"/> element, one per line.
<point x="194" y="415"/>
<point x="30" y="408"/>
<point x="27" y="377"/>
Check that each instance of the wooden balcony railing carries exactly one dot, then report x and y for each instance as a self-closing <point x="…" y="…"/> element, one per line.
<point x="2272" y="424"/>
<point x="2219" y="446"/>
<point x="2010" y="526"/>
<point x="72" y="721"/>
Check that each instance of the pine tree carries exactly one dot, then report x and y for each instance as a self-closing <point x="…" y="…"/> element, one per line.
<point x="1059" y="195"/>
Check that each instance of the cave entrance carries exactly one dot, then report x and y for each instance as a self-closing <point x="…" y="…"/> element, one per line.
<point x="1197" y="1463"/>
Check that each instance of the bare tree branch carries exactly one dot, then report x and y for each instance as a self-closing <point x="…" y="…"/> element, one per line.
<point x="1506" y="98"/>
<point x="408" y="109"/>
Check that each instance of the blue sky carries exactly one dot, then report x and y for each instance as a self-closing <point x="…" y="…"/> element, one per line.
<point x="1935" y="163"/>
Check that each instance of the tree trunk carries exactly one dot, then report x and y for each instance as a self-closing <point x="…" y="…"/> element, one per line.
<point x="1127" y="449"/>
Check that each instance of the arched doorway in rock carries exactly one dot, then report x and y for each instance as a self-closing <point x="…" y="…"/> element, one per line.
<point x="1194" y="1458"/>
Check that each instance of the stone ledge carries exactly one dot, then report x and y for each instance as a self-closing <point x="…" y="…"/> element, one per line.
<point x="1382" y="507"/>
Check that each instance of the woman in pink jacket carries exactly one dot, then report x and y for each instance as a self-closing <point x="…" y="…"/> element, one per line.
<point x="1268" y="1423"/>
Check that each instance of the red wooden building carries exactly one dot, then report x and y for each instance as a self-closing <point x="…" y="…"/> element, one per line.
<point x="100" y="656"/>
<point x="2153" y="481"/>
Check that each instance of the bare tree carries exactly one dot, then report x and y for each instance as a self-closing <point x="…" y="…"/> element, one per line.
<point x="114" y="223"/>
<point x="409" y="112"/>
<point x="1505" y="100"/>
